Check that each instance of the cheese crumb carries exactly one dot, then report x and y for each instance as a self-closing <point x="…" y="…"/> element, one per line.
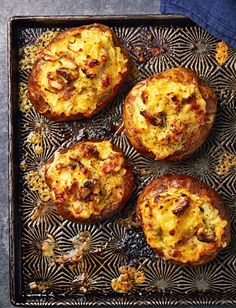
<point x="129" y="277"/>
<point x="221" y="52"/>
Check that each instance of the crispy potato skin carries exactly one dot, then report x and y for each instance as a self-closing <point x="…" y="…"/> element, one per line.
<point x="108" y="211"/>
<point x="164" y="182"/>
<point x="36" y="95"/>
<point x="186" y="77"/>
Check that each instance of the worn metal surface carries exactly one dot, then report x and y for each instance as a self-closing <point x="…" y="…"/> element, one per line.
<point x="180" y="43"/>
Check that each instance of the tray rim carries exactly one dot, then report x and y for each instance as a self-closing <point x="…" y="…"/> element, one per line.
<point x="19" y="299"/>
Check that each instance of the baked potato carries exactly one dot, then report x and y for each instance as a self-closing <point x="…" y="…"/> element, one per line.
<point x="169" y="115"/>
<point x="184" y="220"/>
<point x="78" y="73"/>
<point x="89" y="181"/>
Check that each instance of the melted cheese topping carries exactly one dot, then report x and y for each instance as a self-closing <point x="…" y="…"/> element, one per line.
<point x="80" y="71"/>
<point x="166" y="113"/>
<point x="87" y="178"/>
<point x="182" y="226"/>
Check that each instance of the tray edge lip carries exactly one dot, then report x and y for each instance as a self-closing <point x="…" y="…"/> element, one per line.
<point x="10" y="169"/>
<point x="10" y="25"/>
<point x="109" y="17"/>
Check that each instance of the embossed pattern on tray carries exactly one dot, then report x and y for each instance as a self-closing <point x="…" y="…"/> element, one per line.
<point x="168" y="284"/>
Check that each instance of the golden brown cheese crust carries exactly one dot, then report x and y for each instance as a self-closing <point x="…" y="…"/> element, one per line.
<point x="169" y="115"/>
<point x="184" y="221"/>
<point x="78" y="73"/>
<point x="89" y="181"/>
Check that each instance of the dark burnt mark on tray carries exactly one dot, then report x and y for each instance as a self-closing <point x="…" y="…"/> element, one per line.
<point x="134" y="246"/>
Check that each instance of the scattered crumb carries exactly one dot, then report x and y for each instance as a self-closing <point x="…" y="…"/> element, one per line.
<point x="122" y="284"/>
<point x="48" y="245"/>
<point x="129" y="277"/>
<point x="221" y="52"/>
<point x="38" y="149"/>
<point x="24" y="102"/>
<point x="34" y="138"/>
<point x="36" y="182"/>
<point x="42" y="207"/>
<point x="81" y="243"/>
<point x="23" y="165"/>
<point x="39" y="286"/>
<point x="139" y="277"/>
<point x="28" y="56"/>
<point x="81" y="283"/>
<point x="226" y="161"/>
<point x="29" y="53"/>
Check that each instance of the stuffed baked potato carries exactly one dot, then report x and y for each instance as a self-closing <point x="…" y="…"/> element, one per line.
<point x="78" y="73"/>
<point x="169" y="115"/>
<point x="89" y="181"/>
<point x="184" y="221"/>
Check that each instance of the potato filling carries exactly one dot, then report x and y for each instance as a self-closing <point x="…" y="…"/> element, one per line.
<point x="87" y="178"/>
<point x="182" y="226"/>
<point x="80" y="70"/>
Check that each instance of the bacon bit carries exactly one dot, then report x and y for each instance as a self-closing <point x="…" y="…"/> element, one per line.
<point x="181" y="208"/>
<point x="154" y="121"/>
<point x="59" y="166"/>
<point x="83" y="169"/>
<point x="144" y="96"/>
<point x="109" y="167"/>
<point x="156" y="198"/>
<point x="55" y="82"/>
<point x="72" y="189"/>
<point x="93" y="62"/>
<point x="77" y="35"/>
<point x="141" y="53"/>
<point x="176" y="103"/>
<point x="70" y="88"/>
<point x="83" y="193"/>
<point x="202" y="254"/>
<point x="103" y="58"/>
<point x="73" y="166"/>
<point x="89" y="150"/>
<point x="66" y="94"/>
<point x="175" y="253"/>
<point x="204" y="236"/>
<point x="50" y="75"/>
<point x="88" y="184"/>
<point x="177" y="130"/>
<point x="64" y="74"/>
<point x="172" y="232"/>
<point x="190" y="100"/>
<point x="174" y="98"/>
<point x="155" y="51"/>
<point x="74" y="159"/>
<point x="87" y="73"/>
<point x="69" y="75"/>
<point x="106" y="81"/>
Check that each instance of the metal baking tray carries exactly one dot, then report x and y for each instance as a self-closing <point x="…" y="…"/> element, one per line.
<point x="180" y="42"/>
